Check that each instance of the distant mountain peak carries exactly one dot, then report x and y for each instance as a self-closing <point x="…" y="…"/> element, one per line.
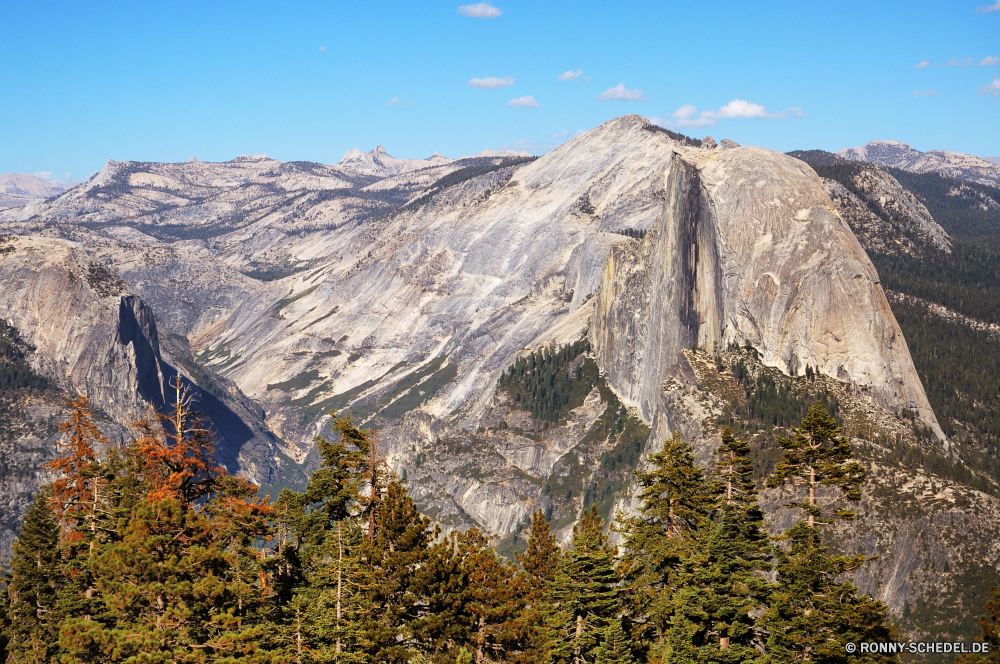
<point x="381" y="163"/>
<point x="894" y="154"/>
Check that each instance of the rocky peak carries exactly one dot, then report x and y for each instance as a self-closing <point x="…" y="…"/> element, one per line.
<point x="893" y="154"/>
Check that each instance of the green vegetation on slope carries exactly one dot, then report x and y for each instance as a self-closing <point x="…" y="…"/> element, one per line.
<point x="551" y="382"/>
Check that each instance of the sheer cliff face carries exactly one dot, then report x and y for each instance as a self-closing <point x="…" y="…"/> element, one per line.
<point x="748" y="249"/>
<point x="91" y="334"/>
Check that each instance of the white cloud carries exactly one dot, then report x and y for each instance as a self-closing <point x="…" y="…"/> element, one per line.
<point x="995" y="7"/>
<point x="490" y="82"/>
<point x="990" y="61"/>
<point x="924" y="93"/>
<point x="621" y="93"/>
<point x="45" y="175"/>
<point x="570" y="75"/>
<point x="923" y="64"/>
<point x="740" y="108"/>
<point x="322" y="48"/>
<point x="480" y="10"/>
<point x="991" y="88"/>
<point x="524" y="102"/>
<point x="392" y="102"/>
<point x="688" y="115"/>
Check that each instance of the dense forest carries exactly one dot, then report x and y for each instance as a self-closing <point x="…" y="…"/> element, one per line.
<point x="149" y="552"/>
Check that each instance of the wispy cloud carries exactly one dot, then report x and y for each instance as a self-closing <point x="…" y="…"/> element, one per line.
<point x="923" y="64"/>
<point x="990" y="61"/>
<point x="924" y="93"/>
<point x="392" y="102"/>
<point x="48" y="176"/>
<point x="480" y="10"/>
<point x="992" y="88"/>
<point x="570" y="75"/>
<point x="955" y="62"/>
<point x="322" y="48"/>
<point x="524" y="102"/>
<point x="491" y="82"/>
<point x="688" y="115"/>
<point x="986" y="9"/>
<point x="621" y="93"/>
<point x="566" y="133"/>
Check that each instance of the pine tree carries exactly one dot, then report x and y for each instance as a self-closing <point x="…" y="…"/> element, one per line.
<point x="812" y="615"/>
<point x="615" y="646"/>
<point x="583" y="597"/>
<point x="168" y="585"/>
<point x="178" y="455"/>
<point x="715" y="608"/>
<point x="384" y="599"/>
<point x="34" y="583"/>
<point x="541" y="559"/>
<point x="819" y="456"/>
<point x="674" y="515"/>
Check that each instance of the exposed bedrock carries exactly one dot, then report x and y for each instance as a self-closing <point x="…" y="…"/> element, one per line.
<point x="748" y="249"/>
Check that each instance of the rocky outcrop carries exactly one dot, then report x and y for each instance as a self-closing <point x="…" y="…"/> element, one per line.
<point x="748" y="249"/>
<point x="92" y="335"/>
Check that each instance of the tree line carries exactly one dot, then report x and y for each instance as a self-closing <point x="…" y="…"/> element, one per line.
<point x="149" y="552"/>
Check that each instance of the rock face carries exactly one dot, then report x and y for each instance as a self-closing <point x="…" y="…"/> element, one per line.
<point x="91" y="333"/>
<point x="893" y="154"/>
<point x="748" y="249"/>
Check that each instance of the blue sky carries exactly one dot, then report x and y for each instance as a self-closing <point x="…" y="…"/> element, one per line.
<point x="81" y="83"/>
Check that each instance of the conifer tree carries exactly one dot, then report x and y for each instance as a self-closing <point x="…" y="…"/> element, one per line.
<point x="674" y="515"/>
<point x="583" y="598"/>
<point x="615" y="646"/>
<point x="78" y="498"/>
<point x="541" y="559"/>
<point x="34" y="582"/>
<point x="77" y="492"/>
<point x="819" y="456"/>
<point x="385" y="599"/>
<point x="168" y="585"/>
<point x="812" y="615"/>
<point x="714" y="619"/>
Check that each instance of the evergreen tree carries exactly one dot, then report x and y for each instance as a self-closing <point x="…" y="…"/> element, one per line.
<point x="385" y="597"/>
<point x="714" y="620"/>
<point x="583" y="597"/>
<point x="34" y="582"/>
<point x="615" y="646"/>
<point x="541" y="559"/>
<point x="819" y="456"/>
<point x="168" y="586"/>
<point x="674" y="515"/>
<point x="812" y="615"/>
